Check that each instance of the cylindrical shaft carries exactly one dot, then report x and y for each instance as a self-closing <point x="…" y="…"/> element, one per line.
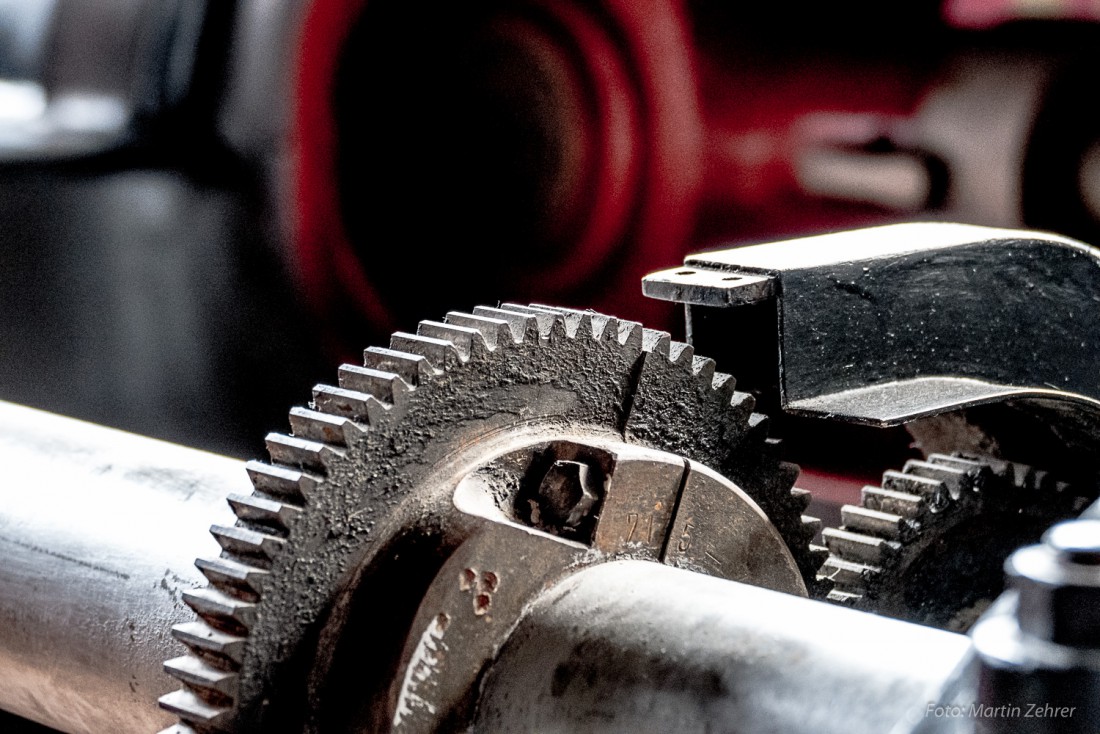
<point x="641" y="647"/>
<point x="99" y="531"/>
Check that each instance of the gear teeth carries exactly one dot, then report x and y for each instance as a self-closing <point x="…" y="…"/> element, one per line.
<point x="205" y="640"/>
<point x="878" y="524"/>
<point x="656" y="342"/>
<point x="191" y="708"/>
<point x="469" y="342"/>
<point x="440" y="353"/>
<point x="280" y="481"/>
<point x="220" y="608"/>
<point x="264" y="511"/>
<point x="385" y="386"/>
<point x="495" y="332"/>
<point x="859" y="547"/>
<point x="524" y="326"/>
<point x="313" y="425"/>
<point x="412" y="368"/>
<point x="200" y="674"/>
<point x="351" y="404"/>
<point x="297" y="452"/>
<point x="896" y="503"/>
<point x="958" y="462"/>
<point x="233" y="576"/>
<point x="578" y="324"/>
<point x="247" y="542"/>
<point x="551" y="322"/>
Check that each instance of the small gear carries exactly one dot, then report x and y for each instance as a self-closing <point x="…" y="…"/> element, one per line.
<point x="929" y="544"/>
<point x="352" y="500"/>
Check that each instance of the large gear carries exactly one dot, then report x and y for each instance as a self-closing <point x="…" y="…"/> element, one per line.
<point x="350" y="500"/>
<point x="928" y="545"/>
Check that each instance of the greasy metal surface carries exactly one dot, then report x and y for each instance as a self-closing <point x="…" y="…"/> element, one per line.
<point x="362" y="491"/>
<point x="636" y="647"/>
<point x="485" y="586"/>
<point x="98" y="530"/>
<point x="887" y="324"/>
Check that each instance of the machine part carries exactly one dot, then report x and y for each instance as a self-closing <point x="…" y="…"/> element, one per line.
<point x="928" y="545"/>
<point x="887" y="325"/>
<point x="1040" y="645"/>
<point x="600" y="652"/>
<point x="99" y="530"/>
<point x="349" y="524"/>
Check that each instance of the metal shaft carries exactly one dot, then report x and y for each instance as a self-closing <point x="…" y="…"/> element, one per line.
<point x="640" y="647"/>
<point x="99" y="530"/>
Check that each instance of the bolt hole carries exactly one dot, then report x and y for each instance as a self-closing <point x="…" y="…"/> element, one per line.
<point x="685" y="272"/>
<point x="482" y="603"/>
<point x="466" y="579"/>
<point x="490" y="581"/>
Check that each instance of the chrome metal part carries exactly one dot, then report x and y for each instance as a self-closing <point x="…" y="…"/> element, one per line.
<point x="98" y="530"/>
<point x="889" y="324"/>
<point x="1040" y="645"/>
<point x="630" y="646"/>
<point x="349" y="525"/>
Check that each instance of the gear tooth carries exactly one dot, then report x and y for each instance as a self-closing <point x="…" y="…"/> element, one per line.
<point x="350" y="404"/>
<point x="204" y="639"/>
<point x="744" y="404"/>
<point x="811" y="526"/>
<point x="818" y="554"/>
<point x="494" y="331"/>
<point x="656" y="342"/>
<point x="469" y="342"/>
<point x="191" y="708"/>
<point x="897" y="503"/>
<point x="682" y="354"/>
<point x="524" y="326"/>
<point x="296" y="452"/>
<point x="247" y="542"/>
<point x="723" y="383"/>
<point x="221" y="609"/>
<point x="955" y="480"/>
<point x="178" y="729"/>
<point x="233" y="576"/>
<point x="441" y="354"/>
<point x="859" y="547"/>
<point x="852" y="576"/>
<point x="385" y="386"/>
<point x="198" y="673"/>
<point x="933" y="491"/>
<point x="844" y="598"/>
<point x="703" y="368"/>
<point x="604" y="328"/>
<point x="323" y="427"/>
<point x="802" y="497"/>
<point x="630" y="335"/>
<point x="279" y="481"/>
<point x="876" y="523"/>
<point x="264" y="511"/>
<point x="412" y="368"/>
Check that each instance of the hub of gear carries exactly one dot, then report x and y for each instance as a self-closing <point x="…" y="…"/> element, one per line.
<point x="929" y="544"/>
<point x="356" y="514"/>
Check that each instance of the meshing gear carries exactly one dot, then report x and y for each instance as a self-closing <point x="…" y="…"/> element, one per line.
<point x="358" y="502"/>
<point x="929" y="544"/>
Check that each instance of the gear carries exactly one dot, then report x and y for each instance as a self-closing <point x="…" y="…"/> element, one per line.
<point x="929" y="545"/>
<point x="353" y="499"/>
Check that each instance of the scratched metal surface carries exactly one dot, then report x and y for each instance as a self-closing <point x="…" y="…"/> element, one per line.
<point x="99" y="530"/>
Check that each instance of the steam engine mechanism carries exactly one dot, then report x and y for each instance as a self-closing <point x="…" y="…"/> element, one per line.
<point x="521" y="517"/>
